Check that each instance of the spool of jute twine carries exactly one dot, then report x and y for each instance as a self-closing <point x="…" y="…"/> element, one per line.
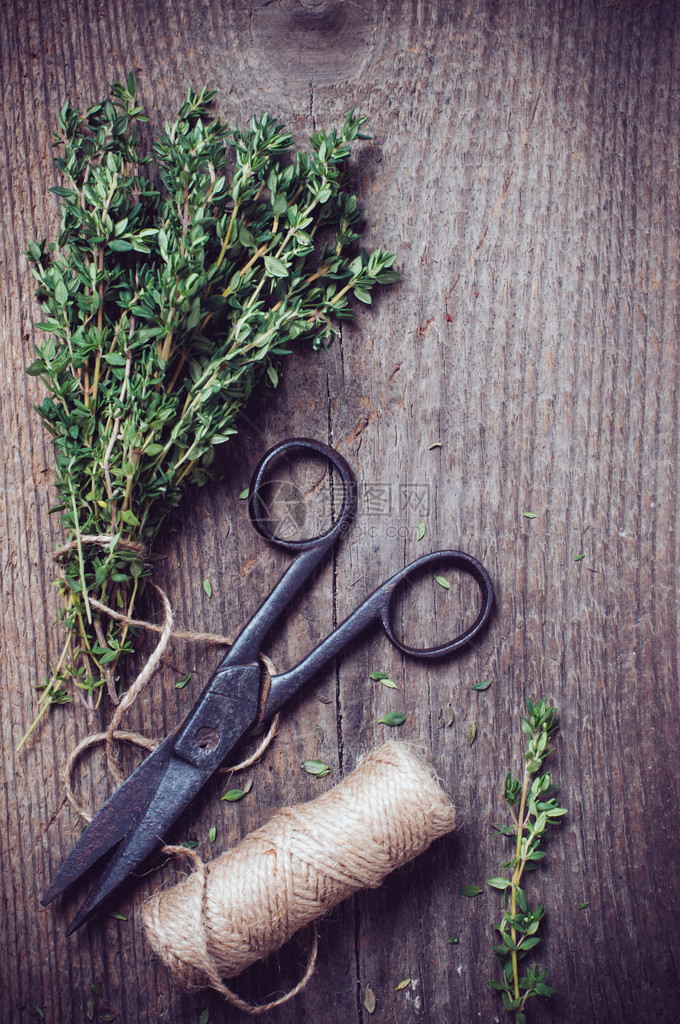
<point x="304" y="861"/>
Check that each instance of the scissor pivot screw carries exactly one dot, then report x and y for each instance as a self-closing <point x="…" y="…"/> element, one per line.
<point x="207" y="738"/>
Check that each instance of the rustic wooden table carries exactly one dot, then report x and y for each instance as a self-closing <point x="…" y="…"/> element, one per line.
<point x="524" y="165"/>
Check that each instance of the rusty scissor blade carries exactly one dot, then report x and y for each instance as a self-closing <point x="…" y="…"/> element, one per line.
<point x="114" y="820"/>
<point x="177" y="788"/>
<point x="141" y="811"/>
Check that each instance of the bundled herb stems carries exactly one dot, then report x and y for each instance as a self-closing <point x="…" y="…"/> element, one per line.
<point x="176" y="284"/>
<point x="533" y="808"/>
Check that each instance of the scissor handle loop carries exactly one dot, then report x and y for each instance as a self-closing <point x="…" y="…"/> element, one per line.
<point x="302" y="445"/>
<point x="467" y="564"/>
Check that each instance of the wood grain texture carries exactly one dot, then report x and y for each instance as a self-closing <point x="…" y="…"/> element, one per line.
<point x="524" y="165"/>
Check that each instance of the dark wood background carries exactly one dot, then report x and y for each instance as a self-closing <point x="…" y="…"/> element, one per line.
<point x="524" y="165"/>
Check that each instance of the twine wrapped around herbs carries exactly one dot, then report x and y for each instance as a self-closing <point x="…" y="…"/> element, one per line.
<point x="305" y="860"/>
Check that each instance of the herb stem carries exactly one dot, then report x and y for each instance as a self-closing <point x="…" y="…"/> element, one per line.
<point x="81" y="563"/>
<point x="227" y="237"/>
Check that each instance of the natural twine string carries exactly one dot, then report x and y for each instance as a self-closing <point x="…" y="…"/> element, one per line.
<point x="301" y="863"/>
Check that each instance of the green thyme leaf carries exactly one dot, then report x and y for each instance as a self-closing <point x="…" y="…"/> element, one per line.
<point x="275" y="267"/>
<point x="470" y="891"/>
<point x="212" y="834"/>
<point x="207" y="586"/>
<point x="482" y="686"/>
<point x="420" y="530"/>
<point x="181" y="683"/>
<point x="232" y="795"/>
<point x="383" y="678"/>
<point x="403" y="984"/>
<point x="443" y="582"/>
<point x="393" y="718"/>
<point x="529" y="515"/>
<point x="314" y="767"/>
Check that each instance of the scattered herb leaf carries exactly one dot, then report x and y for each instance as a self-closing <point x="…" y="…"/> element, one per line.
<point x="470" y="891"/>
<point x="244" y="493"/>
<point x="204" y="1017"/>
<point x="314" y="767"/>
<point x="420" y="530"/>
<point x="482" y="686"/>
<point x="582" y="906"/>
<point x="472" y="734"/>
<point x="577" y="558"/>
<point x="403" y="984"/>
<point x="319" y="733"/>
<point x="393" y="718"/>
<point x="212" y="834"/>
<point x="181" y="683"/>
<point x="454" y="940"/>
<point x="117" y="916"/>
<point x="369" y="999"/>
<point x="232" y="795"/>
<point x="529" y="515"/>
<point x="443" y="582"/>
<point x="383" y="678"/>
<point x="207" y="586"/>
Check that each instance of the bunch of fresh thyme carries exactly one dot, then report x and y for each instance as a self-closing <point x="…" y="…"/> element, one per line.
<point x="175" y="285"/>
<point x="537" y="809"/>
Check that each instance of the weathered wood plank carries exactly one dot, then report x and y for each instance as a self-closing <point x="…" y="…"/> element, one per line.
<point x="524" y="166"/>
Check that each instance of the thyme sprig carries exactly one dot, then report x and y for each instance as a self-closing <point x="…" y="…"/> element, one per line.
<point x="533" y="809"/>
<point x="176" y="284"/>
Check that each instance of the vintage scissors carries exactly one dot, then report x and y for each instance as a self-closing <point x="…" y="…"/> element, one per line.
<point x="234" y="702"/>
